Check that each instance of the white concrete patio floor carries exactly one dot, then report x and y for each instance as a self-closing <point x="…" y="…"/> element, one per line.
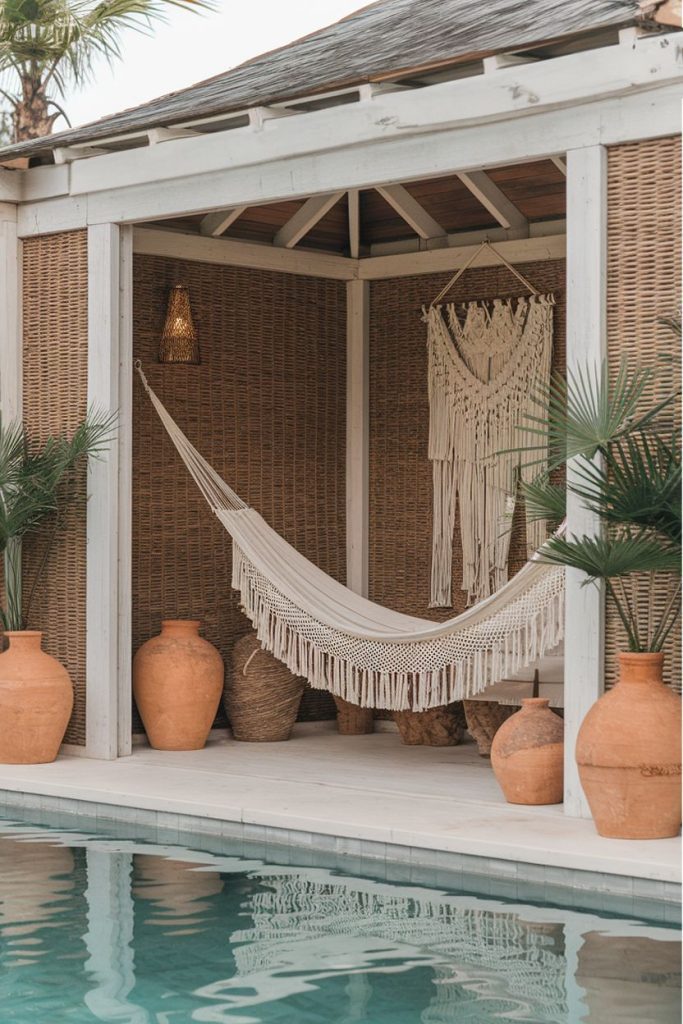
<point x="361" y="787"/>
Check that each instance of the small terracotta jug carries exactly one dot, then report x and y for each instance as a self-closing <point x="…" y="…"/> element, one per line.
<point x="527" y="755"/>
<point x="629" y="754"/>
<point x="177" y="684"/>
<point x="36" y="701"/>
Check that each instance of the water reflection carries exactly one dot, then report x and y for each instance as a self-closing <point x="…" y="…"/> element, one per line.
<point x="95" y="929"/>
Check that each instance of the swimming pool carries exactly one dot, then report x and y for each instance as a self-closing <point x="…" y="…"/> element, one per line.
<point x="110" y="928"/>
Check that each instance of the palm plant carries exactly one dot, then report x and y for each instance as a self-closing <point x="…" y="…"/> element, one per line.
<point x="38" y="482"/>
<point x="625" y="466"/>
<point x="47" y="44"/>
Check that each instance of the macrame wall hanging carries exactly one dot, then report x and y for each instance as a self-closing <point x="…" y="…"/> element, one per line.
<point x="485" y="360"/>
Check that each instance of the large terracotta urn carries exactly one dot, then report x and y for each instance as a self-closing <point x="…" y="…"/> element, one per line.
<point x="177" y="684"/>
<point x="629" y="754"/>
<point x="36" y="700"/>
<point x="527" y="754"/>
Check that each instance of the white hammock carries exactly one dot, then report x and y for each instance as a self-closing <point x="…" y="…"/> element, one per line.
<point x="358" y="650"/>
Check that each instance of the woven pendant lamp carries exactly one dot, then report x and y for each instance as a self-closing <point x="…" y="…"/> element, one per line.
<point x="179" y="339"/>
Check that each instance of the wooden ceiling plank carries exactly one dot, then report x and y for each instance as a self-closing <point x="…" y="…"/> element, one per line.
<point x="412" y="212"/>
<point x="305" y="218"/>
<point x="214" y="224"/>
<point x="354" y="223"/>
<point x="494" y="200"/>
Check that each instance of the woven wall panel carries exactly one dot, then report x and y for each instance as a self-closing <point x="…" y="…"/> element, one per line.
<point x="644" y="284"/>
<point x="267" y="409"/>
<point x="400" y="472"/>
<point x="55" y="316"/>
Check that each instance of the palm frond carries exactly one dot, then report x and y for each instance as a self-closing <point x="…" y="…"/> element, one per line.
<point x="544" y="501"/>
<point x="584" y="414"/>
<point x="612" y="557"/>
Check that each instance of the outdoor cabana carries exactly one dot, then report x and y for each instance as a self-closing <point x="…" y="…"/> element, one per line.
<point x="313" y="201"/>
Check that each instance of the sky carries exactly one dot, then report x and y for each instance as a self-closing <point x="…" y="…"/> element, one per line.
<point x="191" y="47"/>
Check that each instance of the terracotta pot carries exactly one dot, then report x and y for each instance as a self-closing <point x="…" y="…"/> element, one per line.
<point x="36" y="700"/>
<point x="177" y="683"/>
<point x="629" y="754"/>
<point x="527" y="754"/>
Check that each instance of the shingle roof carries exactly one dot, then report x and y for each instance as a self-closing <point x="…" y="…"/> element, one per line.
<point x="383" y="40"/>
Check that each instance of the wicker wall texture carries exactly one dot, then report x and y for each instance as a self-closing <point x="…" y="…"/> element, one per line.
<point x="643" y="285"/>
<point x="55" y="314"/>
<point x="400" y="472"/>
<point x="266" y="407"/>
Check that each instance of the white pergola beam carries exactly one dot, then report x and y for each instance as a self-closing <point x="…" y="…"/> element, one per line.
<point x="157" y="135"/>
<point x="586" y="347"/>
<point x="434" y="261"/>
<point x="305" y="218"/>
<point x="494" y="200"/>
<point x="214" y="224"/>
<point x="11" y="182"/>
<point x="354" y="223"/>
<point x="230" y="252"/>
<point x="577" y="79"/>
<point x="68" y="154"/>
<point x="259" y="115"/>
<point x="412" y="212"/>
<point x="500" y="61"/>
<point x="640" y="114"/>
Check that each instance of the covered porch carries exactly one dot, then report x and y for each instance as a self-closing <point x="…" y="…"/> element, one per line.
<point x="310" y="235"/>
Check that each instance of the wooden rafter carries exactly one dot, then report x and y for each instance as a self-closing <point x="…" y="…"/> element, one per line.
<point x="495" y="201"/>
<point x="412" y="212"/>
<point x="560" y="164"/>
<point x="306" y="217"/>
<point x="214" y="224"/>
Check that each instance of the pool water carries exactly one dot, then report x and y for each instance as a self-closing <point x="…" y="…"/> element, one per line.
<point x="113" y="929"/>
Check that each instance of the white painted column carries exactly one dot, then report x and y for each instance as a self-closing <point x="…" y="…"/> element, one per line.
<point x="357" y="446"/>
<point x="10" y="315"/>
<point x="102" y="695"/>
<point x="586" y="345"/>
<point x="125" y="525"/>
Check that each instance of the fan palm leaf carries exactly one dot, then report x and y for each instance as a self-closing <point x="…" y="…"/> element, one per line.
<point x="39" y="482"/>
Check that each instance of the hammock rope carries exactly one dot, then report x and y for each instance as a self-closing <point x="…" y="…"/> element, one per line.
<point x="358" y="650"/>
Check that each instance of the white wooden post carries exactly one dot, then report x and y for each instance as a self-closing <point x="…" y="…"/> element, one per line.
<point x="10" y="315"/>
<point x="586" y="345"/>
<point x="125" y="438"/>
<point x="357" y="416"/>
<point x="102" y="697"/>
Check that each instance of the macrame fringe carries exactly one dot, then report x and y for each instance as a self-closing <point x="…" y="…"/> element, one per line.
<point x="483" y="366"/>
<point x="394" y="690"/>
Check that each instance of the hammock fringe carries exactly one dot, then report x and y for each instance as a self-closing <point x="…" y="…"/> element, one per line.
<point x="395" y="690"/>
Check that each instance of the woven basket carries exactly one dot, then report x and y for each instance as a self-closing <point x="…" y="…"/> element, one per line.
<point x="484" y="719"/>
<point x="352" y="720"/>
<point x="437" y="727"/>
<point x="262" y="696"/>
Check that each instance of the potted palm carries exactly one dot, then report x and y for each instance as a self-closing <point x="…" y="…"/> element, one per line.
<point x="626" y="468"/>
<point x="38" y="482"/>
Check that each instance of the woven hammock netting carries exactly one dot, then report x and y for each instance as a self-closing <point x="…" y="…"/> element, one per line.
<point x="486" y="362"/>
<point x="358" y="650"/>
